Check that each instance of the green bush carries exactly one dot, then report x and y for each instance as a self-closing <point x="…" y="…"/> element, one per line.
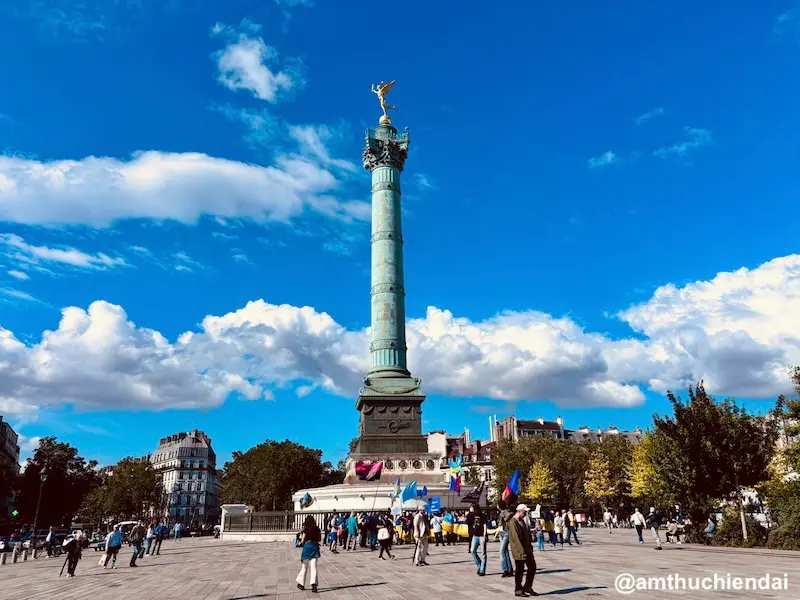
<point x="784" y="502"/>
<point x="729" y="531"/>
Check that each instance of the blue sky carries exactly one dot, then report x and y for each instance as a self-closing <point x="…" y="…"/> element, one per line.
<point x="600" y="204"/>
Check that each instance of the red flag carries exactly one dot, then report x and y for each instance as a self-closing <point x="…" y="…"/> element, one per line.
<point x="369" y="470"/>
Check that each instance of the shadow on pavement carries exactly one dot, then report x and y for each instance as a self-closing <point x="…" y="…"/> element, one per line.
<point x="572" y="590"/>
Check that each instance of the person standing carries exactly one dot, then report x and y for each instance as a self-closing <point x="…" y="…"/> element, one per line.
<point x="421" y="533"/>
<point x="505" y="556"/>
<point x="479" y="544"/>
<point x="522" y="552"/>
<point x="436" y="523"/>
<point x="161" y="533"/>
<point x="149" y="536"/>
<point x="538" y="530"/>
<point x="177" y="531"/>
<point x="639" y="523"/>
<point x="136" y="536"/>
<point x="654" y="522"/>
<point x="607" y="520"/>
<point x="50" y="541"/>
<point x="470" y="524"/>
<point x="385" y="528"/>
<point x="352" y="532"/>
<point x="113" y="545"/>
<point x="558" y="527"/>
<point x="73" y="549"/>
<point x="310" y="540"/>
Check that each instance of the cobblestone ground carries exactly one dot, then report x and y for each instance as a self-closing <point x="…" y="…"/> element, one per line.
<point x="219" y="570"/>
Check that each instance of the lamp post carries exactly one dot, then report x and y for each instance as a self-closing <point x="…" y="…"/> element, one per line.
<point x="42" y="478"/>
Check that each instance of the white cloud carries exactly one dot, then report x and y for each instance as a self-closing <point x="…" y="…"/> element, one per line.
<point x="696" y="138"/>
<point x="159" y="186"/>
<point x="313" y="140"/>
<point x="28" y="445"/>
<point x="650" y="114"/>
<point x="16" y="294"/>
<point x="738" y="331"/>
<point x="19" y="274"/>
<point x="15" y="247"/>
<point x="244" y="65"/>
<point x="605" y="159"/>
<point x="423" y="182"/>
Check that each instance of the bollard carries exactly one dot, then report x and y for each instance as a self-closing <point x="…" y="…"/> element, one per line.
<point x="25" y="555"/>
<point x="3" y="558"/>
<point x="35" y="553"/>
<point x="14" y="555"/>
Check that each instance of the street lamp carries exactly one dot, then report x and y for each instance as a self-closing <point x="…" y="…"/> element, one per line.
<point x="43" y="478"/>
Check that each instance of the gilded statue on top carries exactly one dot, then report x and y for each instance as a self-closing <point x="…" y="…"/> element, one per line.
<point x="381" y="90"/>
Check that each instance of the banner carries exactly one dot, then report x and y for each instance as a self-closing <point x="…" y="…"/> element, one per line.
<point x="434" y="504"/>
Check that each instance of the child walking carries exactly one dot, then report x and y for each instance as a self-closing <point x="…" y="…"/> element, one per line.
<point x="539" y="529"/>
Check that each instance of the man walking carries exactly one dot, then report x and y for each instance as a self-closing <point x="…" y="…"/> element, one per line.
<point x="571" y="526"/>
<point x="50" y="541"/>
<point x="479" y="544"/>
<point x="73" y="549"/>
<point x="519" y="537"/>
<point x="437" y="528"/>
<point x="136" y="536"/>
<point x="653" y="522"/>
<point x="421" y="533"/>
<point x="639" y="523"/>
<point x="160" y="533"/>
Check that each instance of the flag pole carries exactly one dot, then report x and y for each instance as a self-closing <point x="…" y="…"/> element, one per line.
<point x="375" y="498"/>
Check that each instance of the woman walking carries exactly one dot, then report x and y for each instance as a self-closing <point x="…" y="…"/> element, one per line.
<point x="310" y="540"/>
<point x="385" y="527"/>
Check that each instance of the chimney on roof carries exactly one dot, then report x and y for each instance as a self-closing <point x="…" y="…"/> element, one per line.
<point x="560" y="422"/>
<point x="541" y="420"/>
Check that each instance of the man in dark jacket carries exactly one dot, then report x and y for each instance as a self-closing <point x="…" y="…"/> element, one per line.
<point x="73" y="549"/>
<point x="136" y="537"/>
<point x="654" y="522"/>
<point x="519" y="536"/>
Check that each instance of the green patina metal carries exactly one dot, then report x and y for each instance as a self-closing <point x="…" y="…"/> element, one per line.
<point x="390" y="402"/>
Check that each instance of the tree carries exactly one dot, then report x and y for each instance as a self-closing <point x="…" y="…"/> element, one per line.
<point x="566" y="460"/>
<point x="714" y="449"/>
<point x="473" y="475"/>
<point x="646" y="486"/>
<point x="618" y="452"/>
<point x="540" y="484"/>
<point x="133" y="489"/>
<point x="267" y="475"/>
<point x="597" y="481"/>
<point x="69" y="479"/>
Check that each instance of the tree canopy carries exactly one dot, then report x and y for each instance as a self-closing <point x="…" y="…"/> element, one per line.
<point x="69" y="479"/>
<point x="709" y="448"/>
<point x="267" y="475"/>
<point x="597" y="482"/>
<point x="539" y="484"/>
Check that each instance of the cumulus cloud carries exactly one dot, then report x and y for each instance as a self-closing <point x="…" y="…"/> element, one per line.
<point x="736" y="331"/>
<point x="183" y="187"/>
<point x="244" y="64"/>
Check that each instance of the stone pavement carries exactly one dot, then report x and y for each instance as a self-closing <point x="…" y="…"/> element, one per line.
<point x="217" y="570"/>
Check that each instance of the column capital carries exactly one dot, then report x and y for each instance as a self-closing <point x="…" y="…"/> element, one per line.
<point x="385" y="148"/>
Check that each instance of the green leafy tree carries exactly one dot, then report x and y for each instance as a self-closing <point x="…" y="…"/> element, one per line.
<point x="714" y="449"/>
<point x="267" y="475"/>
<point x="618" y="452"/>
<point x="597" y="481"/>
<point x="473" y="475"/>
<point x="133" y="489"/>
<point x="566" y="460"/>
<point x="539" y="484"/>
<point x="647" y="488"/>
<point x="69" y="479"/>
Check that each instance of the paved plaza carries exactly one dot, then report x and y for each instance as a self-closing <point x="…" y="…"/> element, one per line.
<point x="218" y="570"/>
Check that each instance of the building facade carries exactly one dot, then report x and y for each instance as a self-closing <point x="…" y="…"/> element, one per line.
<point x="188" y="467"/>
<point x="9" y="454"/>
<point x="511" y="428"/>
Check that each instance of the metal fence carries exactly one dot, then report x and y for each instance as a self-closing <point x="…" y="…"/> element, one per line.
<point x="272" y="521"/>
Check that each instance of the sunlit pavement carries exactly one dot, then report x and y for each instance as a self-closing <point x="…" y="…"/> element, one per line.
<point x="215" y="569"/>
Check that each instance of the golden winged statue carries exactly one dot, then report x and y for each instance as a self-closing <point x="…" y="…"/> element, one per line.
<point x="381" y="90"/>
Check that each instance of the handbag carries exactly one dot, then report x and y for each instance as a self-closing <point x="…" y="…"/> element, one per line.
<point x="383" y="533"/>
